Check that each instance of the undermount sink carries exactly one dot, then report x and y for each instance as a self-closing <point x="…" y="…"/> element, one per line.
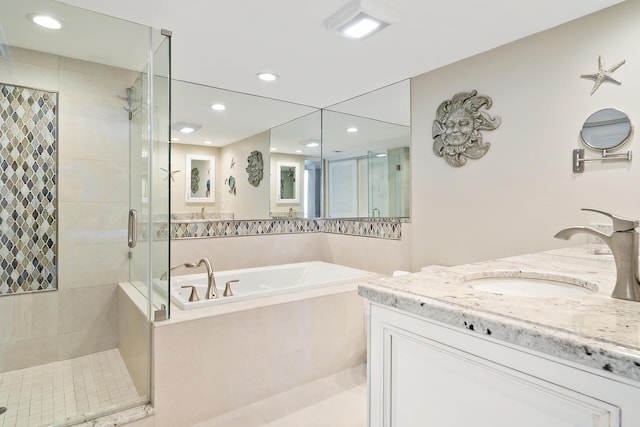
<point x="521" y="284"/>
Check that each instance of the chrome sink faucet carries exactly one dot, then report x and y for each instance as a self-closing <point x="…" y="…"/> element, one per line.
<point x="624" y="246"/>
<point x="212" y="291"/>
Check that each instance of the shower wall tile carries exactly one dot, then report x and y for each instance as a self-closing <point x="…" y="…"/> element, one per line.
<point x="90" y="265"/>
<point x="29" y="75"/>
<point x="92" y="96"/>
<point x="93" y="138"/>
<point x="95" y="305"/>
<point x="28" y="217"/>
<point x="36" y="315"/>
<point x="22" y="353"/>
<point x="93" y="180"/>
<point x="83" y="223"/>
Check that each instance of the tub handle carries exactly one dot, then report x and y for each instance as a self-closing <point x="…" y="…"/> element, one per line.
<point x="194" y="295"/>
<point x="227" y="288"/>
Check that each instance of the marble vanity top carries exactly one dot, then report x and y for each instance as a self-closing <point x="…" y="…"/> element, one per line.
<point x="593" y="330"/>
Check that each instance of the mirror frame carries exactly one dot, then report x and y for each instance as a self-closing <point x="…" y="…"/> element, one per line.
<point x="296" y="192"/>
<point x="212" y="174"/>
<point x="612" y="122"/>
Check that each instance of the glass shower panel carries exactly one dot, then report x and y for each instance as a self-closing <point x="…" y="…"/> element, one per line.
<point x="86" y="341"/>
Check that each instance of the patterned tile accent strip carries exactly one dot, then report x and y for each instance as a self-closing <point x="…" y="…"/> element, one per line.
<point x="190" y="229"/>
<point x="28" y="153"/>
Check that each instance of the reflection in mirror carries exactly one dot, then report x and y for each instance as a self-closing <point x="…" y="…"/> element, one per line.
<point x="288" y="180"/>
<point x="606" y="129"/>
<point x="229" y="135"/>
<point x="366" y="154"/>
<point x="200" y="182"/>
<point x="296" y="159"/>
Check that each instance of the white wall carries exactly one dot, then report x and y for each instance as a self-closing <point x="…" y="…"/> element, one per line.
<point x="515" y="198"/>
<point x="93" y="170"/>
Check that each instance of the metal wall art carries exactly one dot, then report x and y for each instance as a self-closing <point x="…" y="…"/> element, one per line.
<point x="456" y="129"/>
<point x="255" y="168"/>
<point x="603" y="74"/>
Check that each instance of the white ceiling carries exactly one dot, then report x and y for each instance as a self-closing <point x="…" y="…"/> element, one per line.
<point x="224" y="43"/>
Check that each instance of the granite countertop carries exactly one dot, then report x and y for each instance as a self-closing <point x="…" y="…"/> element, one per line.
<point x="593" y="330"/>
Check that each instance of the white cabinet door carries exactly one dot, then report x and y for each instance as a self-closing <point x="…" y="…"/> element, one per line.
<point x="418" y="377"/>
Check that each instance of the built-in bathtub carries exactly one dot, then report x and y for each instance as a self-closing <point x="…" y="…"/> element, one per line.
<point x="262" y="282"/>
<point x="285" y="326"/>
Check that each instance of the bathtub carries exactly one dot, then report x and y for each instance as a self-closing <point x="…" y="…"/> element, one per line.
<point x="263" y="281"/>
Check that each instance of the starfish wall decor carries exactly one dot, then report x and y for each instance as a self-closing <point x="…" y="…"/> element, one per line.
<point x="170" y="174"/>
<point x="603" y="74"/>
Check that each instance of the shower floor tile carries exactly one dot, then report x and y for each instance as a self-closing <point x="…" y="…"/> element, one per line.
<point x="60" y="392"/>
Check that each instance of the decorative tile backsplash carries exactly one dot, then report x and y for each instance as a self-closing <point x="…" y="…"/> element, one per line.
<point x="388" y="228"/>
<point x="28" y="153"/>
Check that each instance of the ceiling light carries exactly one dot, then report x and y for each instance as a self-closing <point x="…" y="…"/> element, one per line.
<point x="312" y="144"/>
<point x="218" y="107"/>
<point x="267" y="77"/>
<point x="273" y="149"/>
<point x="381" y="155"/>
<point x="175" y="139"/>
<point x="186" y="128"/>
<point x="352" y="129"/>
<point x="208" y="142"/>
<point x="359" y="19"/>
<point x="45" y="21"/>
<point x="298" y="151"/>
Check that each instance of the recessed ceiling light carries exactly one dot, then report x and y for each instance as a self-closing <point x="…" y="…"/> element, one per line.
<point x="208" y="142"/>
<point x="218" y="107"/>
<point x="175" y="139"/>
<point x="45" y="21"/>
<point x="352" y="129"/>
<point x="312" y="144"/>
<point x="381" y="155"/>
<point x="186" y="128"/>
<point x="298" y="151"/>
<point x="267" y="77"/>
<point x="273" y="149"/>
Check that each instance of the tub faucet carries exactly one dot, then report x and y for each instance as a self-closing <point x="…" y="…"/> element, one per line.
<point x="624" y="246"/>
<point x="212" y="291"/>
<point x="166" y="273"/>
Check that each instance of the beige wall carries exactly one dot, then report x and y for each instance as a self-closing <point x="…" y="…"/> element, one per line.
<point x="523" y="191"/>
<point x="249" y="202"/>
<point x="82" y="316"/>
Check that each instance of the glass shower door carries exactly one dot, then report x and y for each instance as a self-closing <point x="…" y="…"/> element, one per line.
<point x="150" y="179"/>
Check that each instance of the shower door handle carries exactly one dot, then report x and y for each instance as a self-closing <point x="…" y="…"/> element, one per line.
<point x="133" y="228"/>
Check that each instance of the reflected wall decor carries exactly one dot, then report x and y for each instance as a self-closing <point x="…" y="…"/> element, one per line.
<point x="28" y="191"/>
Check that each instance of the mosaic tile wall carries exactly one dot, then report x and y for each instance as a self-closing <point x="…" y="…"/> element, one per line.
<point x="28" y="237"/>
<point x="390" y="228"/>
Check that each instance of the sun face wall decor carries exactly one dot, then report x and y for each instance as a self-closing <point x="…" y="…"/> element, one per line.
<point x="456" y="129"/>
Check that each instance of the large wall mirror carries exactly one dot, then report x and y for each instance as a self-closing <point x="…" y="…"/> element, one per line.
<point x="366" y="150"/>
<point x="349" y="160"/>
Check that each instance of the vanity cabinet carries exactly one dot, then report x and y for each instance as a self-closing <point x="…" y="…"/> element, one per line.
<point x="430" y="374"/>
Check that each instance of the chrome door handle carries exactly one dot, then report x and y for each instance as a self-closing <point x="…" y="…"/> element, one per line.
<point x="133" y="228"/>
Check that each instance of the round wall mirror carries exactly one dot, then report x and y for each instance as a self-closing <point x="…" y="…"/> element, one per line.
<point x="606" y="129"/>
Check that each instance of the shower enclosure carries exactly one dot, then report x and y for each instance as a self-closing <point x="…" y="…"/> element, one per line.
<point x="84" y="143"/>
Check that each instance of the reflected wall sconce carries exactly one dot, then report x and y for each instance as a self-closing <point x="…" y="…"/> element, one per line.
<point x="359" y="19"/>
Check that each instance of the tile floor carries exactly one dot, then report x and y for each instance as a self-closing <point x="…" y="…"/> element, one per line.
<point x="58" y="392"/>
<point x="337" y="401"/>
